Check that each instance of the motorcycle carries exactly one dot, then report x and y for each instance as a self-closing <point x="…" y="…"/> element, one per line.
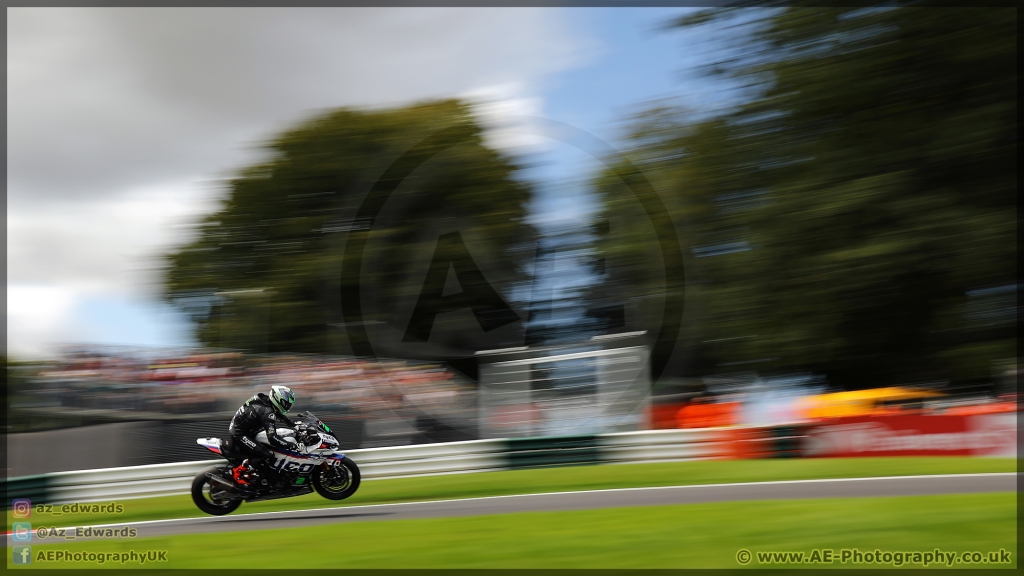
<point x="315" y="465"/>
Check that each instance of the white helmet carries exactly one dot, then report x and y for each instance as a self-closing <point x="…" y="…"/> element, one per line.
<point x="282" y="398"/>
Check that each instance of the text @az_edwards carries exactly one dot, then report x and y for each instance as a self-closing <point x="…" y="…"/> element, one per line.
<point x="53" y="533"/>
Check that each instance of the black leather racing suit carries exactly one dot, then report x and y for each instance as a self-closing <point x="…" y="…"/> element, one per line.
<point x="256" y="415"/>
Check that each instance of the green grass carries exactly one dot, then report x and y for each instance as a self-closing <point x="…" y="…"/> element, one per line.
<point x="559" y="479"/>
<point x="679" y="536"/>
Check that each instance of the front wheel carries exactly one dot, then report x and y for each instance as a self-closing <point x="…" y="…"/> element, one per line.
<point x="337" y="480"/>
<point x="209" y="497"/>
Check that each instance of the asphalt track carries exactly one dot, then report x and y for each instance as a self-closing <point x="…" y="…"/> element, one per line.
<point x="580" y="500"/>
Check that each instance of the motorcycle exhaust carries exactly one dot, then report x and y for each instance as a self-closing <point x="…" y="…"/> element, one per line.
<point x="228" y="487"/>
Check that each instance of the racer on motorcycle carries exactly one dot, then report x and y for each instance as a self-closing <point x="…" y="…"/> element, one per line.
<point x="259" y="413"/>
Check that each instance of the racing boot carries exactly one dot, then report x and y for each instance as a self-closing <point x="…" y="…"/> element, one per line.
<point x="244" y="474"/>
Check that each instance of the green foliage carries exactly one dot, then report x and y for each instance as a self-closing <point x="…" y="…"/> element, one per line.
<point x="840" y="216"/>
<point x="264" y="273"/>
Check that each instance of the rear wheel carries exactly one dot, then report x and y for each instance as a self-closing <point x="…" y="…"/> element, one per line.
<point x="211" y="498"/>
<point x="337" y="480"/>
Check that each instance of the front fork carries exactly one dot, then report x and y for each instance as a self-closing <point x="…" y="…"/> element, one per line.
<point x="333" y="469"/>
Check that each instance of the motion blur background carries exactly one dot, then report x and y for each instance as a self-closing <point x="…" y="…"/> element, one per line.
<point x="776" y="205"/>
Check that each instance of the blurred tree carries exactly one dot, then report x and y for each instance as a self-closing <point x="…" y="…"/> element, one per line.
<point x="264" y="272"/>
<point x="853" y="211"/>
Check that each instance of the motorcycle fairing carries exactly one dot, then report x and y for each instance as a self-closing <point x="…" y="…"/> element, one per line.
<point x="211" y="444"/>
<point x="314" y="454"/>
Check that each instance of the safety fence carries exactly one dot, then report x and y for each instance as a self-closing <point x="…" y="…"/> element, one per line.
<point x="401" y="461"/>
<point x="981" y="435"/>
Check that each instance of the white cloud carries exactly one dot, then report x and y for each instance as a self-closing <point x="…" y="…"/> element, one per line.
<point x="102" y="99"/>
<point x="106" y="245"/>
<point x="70" y="256"/>
<point x="120" y="120"/>
<point x="36" y="318"/>
<point x="508" y="116"/>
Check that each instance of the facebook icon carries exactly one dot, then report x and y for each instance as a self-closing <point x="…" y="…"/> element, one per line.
<point x="21" y="554"/>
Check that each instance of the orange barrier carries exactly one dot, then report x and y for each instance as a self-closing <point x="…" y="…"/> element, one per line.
<point x="699" y="415"/>
<point x="696" y="414"/>
<point x="664" y="416"/>
<point x="746" y="443"/>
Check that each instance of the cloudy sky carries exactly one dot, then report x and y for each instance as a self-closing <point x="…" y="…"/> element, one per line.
<point x="121" y="124"/>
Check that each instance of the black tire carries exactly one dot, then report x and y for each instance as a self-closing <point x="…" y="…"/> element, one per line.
<point x="201" y="494"/>
<point x="338" y="481"/>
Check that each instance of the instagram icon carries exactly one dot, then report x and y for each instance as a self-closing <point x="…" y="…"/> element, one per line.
<point x="21" y="508"/>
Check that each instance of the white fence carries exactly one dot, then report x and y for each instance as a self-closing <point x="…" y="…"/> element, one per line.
<point x="664" y="445"/>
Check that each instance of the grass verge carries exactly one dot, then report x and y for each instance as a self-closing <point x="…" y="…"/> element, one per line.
<point x="679" y="536"/>
<point x="559" y="479"/>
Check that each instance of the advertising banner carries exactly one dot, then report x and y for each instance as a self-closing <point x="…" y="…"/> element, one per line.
<point x="938" y="435"/>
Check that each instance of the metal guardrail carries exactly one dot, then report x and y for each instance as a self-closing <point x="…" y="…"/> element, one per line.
<point x="392" y="462"/>
<point x="665" y="445"/>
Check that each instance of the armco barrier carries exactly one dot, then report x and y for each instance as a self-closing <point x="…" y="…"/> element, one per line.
<point x="451" y="457"/>
<point x="124" y="483"/>
<point x="395" y="462"/>
<point x="552" y="451"/>
<point x="662" y="445"/>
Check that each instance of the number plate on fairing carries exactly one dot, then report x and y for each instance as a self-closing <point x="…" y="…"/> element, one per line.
<point x="289" y="463"/>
